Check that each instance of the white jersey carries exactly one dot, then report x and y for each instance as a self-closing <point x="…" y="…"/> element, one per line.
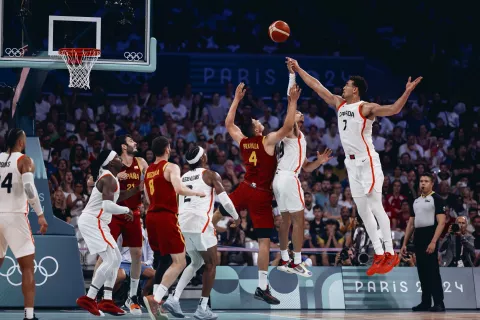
<point x="355" y="130"/>
<point x="195" y="213"/>
<point x="291" y="153"/>
<point x="95" y="203"/>
<point x="12" y="193"/>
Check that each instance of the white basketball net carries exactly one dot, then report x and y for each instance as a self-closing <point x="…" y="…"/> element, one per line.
<point x="79" y="64"/>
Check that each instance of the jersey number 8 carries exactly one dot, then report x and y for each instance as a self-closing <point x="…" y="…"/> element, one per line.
<point x="151" y="187"/>
<point x="7" y="183"/>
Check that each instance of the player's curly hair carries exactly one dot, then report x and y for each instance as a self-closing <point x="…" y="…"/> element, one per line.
<point x="190" y="155"/>
<point x="361" y="84"/>
<point x="119" y="141"/>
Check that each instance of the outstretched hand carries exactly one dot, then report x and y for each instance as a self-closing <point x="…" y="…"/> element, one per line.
<point x="325" y="156"/>
<point x="294" y="93"/>
<point x="410" y="86"/>
<point x="292" y="64"/>
<point x="240" y="91"/>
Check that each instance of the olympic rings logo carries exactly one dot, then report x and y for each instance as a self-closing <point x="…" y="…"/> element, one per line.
<point x="14" y="52"/>
<point x="133" y="56"/>
<point x="39" y="267"/>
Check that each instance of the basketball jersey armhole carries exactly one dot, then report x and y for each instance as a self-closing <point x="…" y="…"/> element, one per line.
<point x="18" y="160"/>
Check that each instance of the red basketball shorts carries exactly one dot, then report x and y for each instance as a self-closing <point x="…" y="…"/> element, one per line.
<point x="164" y="233"/>
<point x="131" y="231"/>
<point x="257" y="202"/>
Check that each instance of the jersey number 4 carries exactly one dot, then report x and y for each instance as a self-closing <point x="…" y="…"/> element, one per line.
<point x="7" y="182"/>
<point x="253" y="158"/>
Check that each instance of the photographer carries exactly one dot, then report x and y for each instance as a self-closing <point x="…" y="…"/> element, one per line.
<point x="428" y="220"/>
<point x="357" y="254"/>
<point x="458" y="249"/>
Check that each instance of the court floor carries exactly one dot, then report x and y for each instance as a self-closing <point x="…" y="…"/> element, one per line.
<point x="262" y="315"/>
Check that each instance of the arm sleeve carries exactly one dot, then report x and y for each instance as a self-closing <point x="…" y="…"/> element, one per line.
<point x="112" y="208"/>
<point x="439" y="204"/>
<point x="31" y="192"/>
<point x="291" y="82"/>
<point x="227" y="205"/>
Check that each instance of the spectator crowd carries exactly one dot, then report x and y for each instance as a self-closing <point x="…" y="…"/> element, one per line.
<point x="430" y="134"/>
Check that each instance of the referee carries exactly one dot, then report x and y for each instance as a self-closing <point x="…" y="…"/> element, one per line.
<point x="428" y="220"/>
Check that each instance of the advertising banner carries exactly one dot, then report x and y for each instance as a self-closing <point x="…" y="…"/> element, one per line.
<point x="400" y="289"/>
<point x="266" y="73"/>
<point x="58" y="274"/>
<point x="235" y="286"/>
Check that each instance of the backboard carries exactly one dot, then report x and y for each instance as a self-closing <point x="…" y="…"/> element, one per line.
<point x="32" y="31"/>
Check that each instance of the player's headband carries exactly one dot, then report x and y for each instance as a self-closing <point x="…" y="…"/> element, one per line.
<point x="110" y="157"/>
<point x="199" y="155"/>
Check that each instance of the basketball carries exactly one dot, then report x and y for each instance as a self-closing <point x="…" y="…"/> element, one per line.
<point x="279" y="31"/>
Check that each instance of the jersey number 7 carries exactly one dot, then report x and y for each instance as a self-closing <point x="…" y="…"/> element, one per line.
<point x="7" y="183"/>
<point x="345" y="127"/>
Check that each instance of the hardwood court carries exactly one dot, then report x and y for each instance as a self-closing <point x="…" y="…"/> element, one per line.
<point x="273" y="315"/>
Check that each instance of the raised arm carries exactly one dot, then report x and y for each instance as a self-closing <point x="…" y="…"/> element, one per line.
<point x="233" y="129"/>
<point x="172" y="174"/>
<point x="315" y="85"/>
<point x="27" y="169"/>
<point x="370" y="110"/>
<point x="321" y="159"/>
<point x="274" y="137"/>
<point x="213" y="179"/>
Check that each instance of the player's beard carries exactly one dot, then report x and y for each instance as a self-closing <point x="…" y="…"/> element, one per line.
<point x="131" y="151"/>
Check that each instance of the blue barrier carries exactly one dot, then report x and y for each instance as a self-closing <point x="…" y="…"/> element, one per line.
<point x="58" y="274"/>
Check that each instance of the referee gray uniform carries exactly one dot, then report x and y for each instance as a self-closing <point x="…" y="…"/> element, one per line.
<point x="425" y="210"/>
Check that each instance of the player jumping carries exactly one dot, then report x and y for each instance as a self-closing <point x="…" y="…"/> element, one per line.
<point x="255" y="192"/>
<point x="16" y="192"/>
<point x="162" y="183"/>
<point x="355" y="119"/>
<point x="291" y="155"/>
<point x="93" y="225"/>
<point x="195" y="218"/>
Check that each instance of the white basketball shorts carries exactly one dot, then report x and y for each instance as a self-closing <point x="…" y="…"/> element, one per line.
<point x="15" y="232"/>
<point x="200" y="241"/>
<point x="288" y="192"/>
<point x="365" y="174"/>
<point x="96" y="234"/>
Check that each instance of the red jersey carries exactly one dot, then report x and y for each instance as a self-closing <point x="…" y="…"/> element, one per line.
<point x="260" y="165"/>
<point x="133" y="180"/>
<point x="161" y="193"/>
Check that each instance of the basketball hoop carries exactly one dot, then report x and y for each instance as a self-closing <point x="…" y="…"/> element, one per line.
<point x="80" y="62"/>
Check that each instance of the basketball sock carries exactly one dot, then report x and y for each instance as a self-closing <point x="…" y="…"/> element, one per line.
<point x="375" y="203"/>
<point x="262" y="279"/>
<point x="204" y="303"/>
<point x="187" y="275"/>
<point x="107" y="294"/>
<point x="92" y="292"/>
<point x="134" y="286"/>
<point x="155" y="287"/>
<point x="370" y="223"/>
<point x="160" y="293"/>
<point x="284" y="254"/>
<point x="29" y="313"/>
<point x="297" y="257"/>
